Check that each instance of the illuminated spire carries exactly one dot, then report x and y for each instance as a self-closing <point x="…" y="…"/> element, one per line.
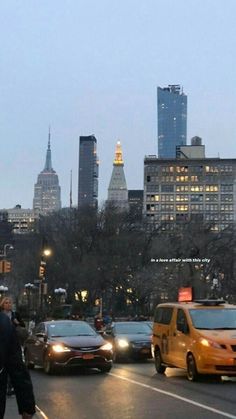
<point x="118" y="160"/>
<point x="117" y="190"/>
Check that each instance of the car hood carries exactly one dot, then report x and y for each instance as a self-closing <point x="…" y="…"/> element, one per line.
<point x="220" y="335"/>
<point x="137" y="337"/>
<point x="79" y="341"/>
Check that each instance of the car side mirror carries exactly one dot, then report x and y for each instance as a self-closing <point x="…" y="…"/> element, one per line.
<point x="183" y="328"/>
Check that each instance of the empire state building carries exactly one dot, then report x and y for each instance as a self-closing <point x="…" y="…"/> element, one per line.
<point x="47" y="192"/>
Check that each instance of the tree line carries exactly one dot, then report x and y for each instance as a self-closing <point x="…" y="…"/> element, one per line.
<point x="111" y="255"/>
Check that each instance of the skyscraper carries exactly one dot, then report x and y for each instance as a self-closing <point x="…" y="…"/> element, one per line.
<point x="88" y="172"/>
<point x="47" y="192"/>
<point x="117" y="190"/>
<point x="172" y="120"/>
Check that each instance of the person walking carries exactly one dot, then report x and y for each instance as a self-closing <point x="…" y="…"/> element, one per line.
<point x="6" y="306"/>
<point x="11" y="364"/>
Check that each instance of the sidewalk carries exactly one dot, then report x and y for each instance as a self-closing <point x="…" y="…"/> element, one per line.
<point x="12" y="411"/>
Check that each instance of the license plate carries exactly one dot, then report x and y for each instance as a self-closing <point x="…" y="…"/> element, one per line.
<point x="88" y="356"/>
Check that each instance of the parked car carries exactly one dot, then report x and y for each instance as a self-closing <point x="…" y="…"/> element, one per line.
<point x="130" y="339"/>
<point x="67" y="343"/>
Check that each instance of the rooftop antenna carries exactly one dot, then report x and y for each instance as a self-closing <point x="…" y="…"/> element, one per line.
<point x="71" y="189"/>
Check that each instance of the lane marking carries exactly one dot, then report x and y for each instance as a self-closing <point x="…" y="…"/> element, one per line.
<point x="175" y="396"/>
<point x="41" y="413"/>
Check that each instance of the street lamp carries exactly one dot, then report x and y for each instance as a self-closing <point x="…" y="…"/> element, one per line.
<point x="7" y="245"/>
<point x="46" y="252"/>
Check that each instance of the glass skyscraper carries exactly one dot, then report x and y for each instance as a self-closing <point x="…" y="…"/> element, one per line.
<point x="172" y="120"/>
<point x="88" y="172"/>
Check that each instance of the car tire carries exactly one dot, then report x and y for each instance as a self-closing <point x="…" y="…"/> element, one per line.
<point x="105" y="368"/>
<point x="48" y="366"/>
<point x="192" y="372"/>
<point x="160" y="368"/>
<point x="29" y="364"/>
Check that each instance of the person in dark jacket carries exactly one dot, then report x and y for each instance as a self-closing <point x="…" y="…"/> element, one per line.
<point x="11" y="364"/>
<point x="6" y="306"/>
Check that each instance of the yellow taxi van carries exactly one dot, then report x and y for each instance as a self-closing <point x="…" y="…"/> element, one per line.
<point x="198" y="336"/>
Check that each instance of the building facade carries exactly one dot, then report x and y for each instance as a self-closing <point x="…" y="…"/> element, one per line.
<point x="135" y="199"/>
<point x="47" y="192"/>
<point x="22" y="220"/>
<point x="172" y="120"/>
<point x="117" y="190"/>
<point x="88" y="172"/>
<point x="180" y="190"/>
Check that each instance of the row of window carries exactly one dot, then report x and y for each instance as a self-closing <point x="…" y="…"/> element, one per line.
<point x="192" y="207"/>
<point x="192" y="198"/>
<point x="186" y="169"/>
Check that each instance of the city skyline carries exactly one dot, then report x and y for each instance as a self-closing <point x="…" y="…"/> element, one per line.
<point x="103" y="82"/>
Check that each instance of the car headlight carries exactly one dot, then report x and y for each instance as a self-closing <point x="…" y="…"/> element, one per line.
<point x="122" y="343"/>
<point x="107" y="347"/>
<point x="58" y="348"/>
<point x="210" y="343"/>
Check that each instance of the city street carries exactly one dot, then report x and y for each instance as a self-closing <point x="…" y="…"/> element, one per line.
<point x="132" y="390"/>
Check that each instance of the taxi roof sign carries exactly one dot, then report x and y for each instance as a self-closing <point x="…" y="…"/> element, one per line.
<point x="185" y="294"/>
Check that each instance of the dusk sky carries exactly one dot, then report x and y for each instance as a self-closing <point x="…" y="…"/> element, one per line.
<point x="93" y="67"/>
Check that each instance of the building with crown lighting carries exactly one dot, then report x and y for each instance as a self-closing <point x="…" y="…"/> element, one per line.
<point x="117" y="190"/>
<point x="47" y="192"/>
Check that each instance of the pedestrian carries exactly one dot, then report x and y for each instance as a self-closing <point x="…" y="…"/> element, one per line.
<point x="6" y="306"/>
<point x="11" y="363"/>
<point x="31" y="326"/>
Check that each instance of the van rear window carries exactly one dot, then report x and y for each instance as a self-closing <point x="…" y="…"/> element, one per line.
<point x="163" y="315"/>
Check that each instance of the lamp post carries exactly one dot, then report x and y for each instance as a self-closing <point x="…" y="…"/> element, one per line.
<point x="7" y="245"/>
<point x="46" y="252"/>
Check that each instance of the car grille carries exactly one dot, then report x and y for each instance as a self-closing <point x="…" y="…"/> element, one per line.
<point x="141" y="344"/>
<point x="86" y="348"/>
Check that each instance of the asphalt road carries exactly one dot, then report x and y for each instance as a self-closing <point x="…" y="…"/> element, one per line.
<point x="132" y="391"/>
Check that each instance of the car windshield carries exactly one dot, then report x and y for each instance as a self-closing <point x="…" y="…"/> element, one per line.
<point x="132" y="328"/>
<point x="218" y="318"/>
<point x="70" y="329"/>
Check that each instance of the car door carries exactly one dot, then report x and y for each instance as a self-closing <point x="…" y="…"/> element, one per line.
<point x="180" y="339"/>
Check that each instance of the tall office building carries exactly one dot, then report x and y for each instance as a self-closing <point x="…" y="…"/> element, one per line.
<point x="88" y="172"/>
<point x="47" y="192"/>
<point x="172" y="120"/>
<point x="190" y="187"/>
<point x="117" y="190"/>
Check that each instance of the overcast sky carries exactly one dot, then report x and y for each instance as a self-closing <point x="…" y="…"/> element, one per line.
<point x="93" y="67"/>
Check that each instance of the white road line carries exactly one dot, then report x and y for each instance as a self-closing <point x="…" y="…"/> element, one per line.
<point x="41" y="413"/>
<point x="175" y="396"/>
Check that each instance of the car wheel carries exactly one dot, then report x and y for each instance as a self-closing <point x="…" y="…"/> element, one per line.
<point x="29" y="364"/>
<point x="105" y="368"/>
<point x="192" y="373"/>
<point x="160" y="368"/>
<point x="48" y="366"/>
